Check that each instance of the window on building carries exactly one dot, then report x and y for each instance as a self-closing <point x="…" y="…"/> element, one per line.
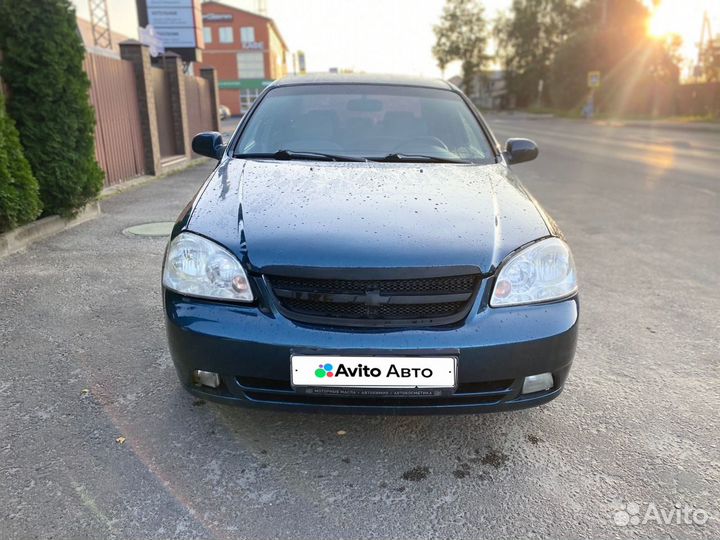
<point x="251" y="65"/>
<point x="247" y="34"/>
<point x="207" y="34"/>
<point x="226" y="34"/>
<point x="247" y="98"/>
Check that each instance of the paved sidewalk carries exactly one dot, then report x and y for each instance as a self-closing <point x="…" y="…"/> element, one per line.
<point x="704" y="127"/>
<point x="677" y="125"/>
<point x="82" y="345"/>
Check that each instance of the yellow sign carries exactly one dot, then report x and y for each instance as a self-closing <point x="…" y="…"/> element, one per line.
<point x="593" y="79"/>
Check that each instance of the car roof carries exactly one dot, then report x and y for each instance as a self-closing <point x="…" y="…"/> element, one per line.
<point x="361" y="78"/>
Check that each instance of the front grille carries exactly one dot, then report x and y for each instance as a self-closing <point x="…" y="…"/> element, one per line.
<point x="385" y="302"/>
<point x="467" y="393"/>
<point x="398" y="402"/>
<point x="441" y="285"/>
<point x="261" y="384"/>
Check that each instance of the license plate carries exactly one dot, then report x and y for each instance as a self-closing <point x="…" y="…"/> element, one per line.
<point x="373" y="371"/>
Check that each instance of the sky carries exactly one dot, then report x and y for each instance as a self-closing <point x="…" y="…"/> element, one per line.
<point x="380" y="36"/>
<point x="394" y="36"/>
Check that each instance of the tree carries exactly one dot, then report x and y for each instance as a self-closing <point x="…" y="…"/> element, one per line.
<point x="611" y="37"/>
<point x="48" y="99"/>
<point x="19" y="198"/>
<point x="710" y="60"/>
<point x="462" y="35"/>
<point x="527" y="41"/>
<point x="568" y="73"/>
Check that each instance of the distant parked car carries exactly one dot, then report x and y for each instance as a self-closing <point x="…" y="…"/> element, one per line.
<point x="224" y="112"/>
<point x="364" y="245"/>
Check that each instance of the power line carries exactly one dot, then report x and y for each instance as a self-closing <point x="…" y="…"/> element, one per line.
<point x="100" y="23"/>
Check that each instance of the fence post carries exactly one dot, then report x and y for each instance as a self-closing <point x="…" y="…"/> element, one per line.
<point x="139" y="55"/>
<point x="172" y="65"/>
<point x="210" y="75"/>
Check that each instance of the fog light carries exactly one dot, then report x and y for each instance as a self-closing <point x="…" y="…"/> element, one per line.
<point x="206" y="378"/>
<point x="537" y="383"/>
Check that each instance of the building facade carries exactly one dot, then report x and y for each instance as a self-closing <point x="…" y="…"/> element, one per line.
<point x="246" y="49"/>
<point x="488" y="90"/>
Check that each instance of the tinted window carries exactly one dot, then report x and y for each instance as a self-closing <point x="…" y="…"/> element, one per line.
<point x="365" y="121"/>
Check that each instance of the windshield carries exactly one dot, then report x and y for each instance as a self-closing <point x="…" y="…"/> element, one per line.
<point x="365" y="121"/>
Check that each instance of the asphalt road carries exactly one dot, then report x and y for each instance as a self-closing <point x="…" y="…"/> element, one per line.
<point x="83" y="361"/>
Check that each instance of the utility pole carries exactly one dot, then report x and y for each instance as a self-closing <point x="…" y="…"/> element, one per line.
<point x="100" y="23"/>
<point x="705" y="40"/>
<point x="262" y="7"/>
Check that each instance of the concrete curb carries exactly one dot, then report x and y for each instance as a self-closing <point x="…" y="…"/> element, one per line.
<point x="22" y="237"/>
<point x="708" y="127"/>
<point x="142" y="180"/>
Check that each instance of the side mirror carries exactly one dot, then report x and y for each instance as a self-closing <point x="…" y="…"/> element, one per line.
<point x="520" y="150"/>
<point x="208" y="144"/>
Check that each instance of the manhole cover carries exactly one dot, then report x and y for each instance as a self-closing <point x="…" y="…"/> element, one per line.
<point x="159" y="228"/>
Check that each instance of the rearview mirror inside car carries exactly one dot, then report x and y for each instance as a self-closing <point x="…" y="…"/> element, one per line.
<point x="364" y="105"/>
<point x="209" y="144"/>
<point x="520" y="150"/>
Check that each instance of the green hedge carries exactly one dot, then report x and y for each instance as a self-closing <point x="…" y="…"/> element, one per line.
<point x="19" y="197"/>
<point x="42" y="66"/>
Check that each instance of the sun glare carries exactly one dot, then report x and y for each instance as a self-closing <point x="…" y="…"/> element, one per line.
<point x="681" y="17"/>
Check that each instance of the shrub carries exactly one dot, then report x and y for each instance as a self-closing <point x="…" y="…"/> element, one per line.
<point x="43" y="68"/>
<point x="19" y="198"/>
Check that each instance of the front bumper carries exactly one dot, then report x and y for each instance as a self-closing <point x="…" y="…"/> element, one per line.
<point x="251" y="347"/>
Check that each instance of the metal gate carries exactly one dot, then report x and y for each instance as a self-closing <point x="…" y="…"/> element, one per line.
<point x="119" y="144"/>
<point x="199" y="105"/>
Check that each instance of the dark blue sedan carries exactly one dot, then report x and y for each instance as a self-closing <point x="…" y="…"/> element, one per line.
<point x="364" y="246"/>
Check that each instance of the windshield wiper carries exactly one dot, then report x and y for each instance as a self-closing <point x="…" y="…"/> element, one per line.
<point x="416" y="158"/>
<point x="292" y="154"/>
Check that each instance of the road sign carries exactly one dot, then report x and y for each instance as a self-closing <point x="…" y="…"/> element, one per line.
<point x="178" y="23"/>
<point x="593" y="79"/>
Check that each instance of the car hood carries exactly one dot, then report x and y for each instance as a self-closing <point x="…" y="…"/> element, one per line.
<point x="366" y="215"/>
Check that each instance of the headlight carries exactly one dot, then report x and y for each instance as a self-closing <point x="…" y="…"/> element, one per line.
<point x="195" y="266"/>
<point x="541" y="272"/>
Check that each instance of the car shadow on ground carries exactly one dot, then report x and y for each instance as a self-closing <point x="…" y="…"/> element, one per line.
<point x="466" y="444"/>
